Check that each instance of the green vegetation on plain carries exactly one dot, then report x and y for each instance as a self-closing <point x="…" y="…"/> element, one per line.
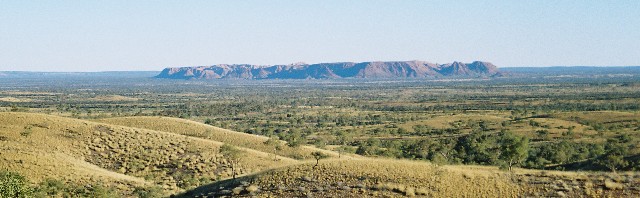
<point x="167" y="137"/>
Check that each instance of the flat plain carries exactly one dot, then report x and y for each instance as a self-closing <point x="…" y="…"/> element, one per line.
<point x="141" y="137"/>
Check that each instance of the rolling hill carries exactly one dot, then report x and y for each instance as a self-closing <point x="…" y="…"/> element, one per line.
<point x="404" y="178"/>
<point x="83" y="152"/>
<point x="204" y="131"/>
<point x="182" y="158"/>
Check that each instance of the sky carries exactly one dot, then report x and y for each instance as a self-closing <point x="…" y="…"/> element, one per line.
<point x="144" y="35"/>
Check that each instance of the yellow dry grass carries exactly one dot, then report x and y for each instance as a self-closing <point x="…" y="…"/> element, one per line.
<point x="13" y="99"/>
<point x="370" y="177"/>
<point x="196" y="129"/>
<point x="601" y="116"/>
<point x="46" y="153"/>
<point x="379" y="178"/>
<point x="555" y="127"/>
<point x="113" y="98"/>
<point x="443" y="121"/>
<point x="139" y="151"/>
<point x="45" y="146"/>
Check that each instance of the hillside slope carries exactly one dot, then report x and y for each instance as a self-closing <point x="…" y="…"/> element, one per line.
<point x="403" y="178"/>
<point x="196" y="129"/>
<point x="83" y="152"/>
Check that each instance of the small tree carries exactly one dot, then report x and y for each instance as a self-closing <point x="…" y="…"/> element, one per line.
<point x="276" y="144"/>
<point x="613" y="159"/>
<point x="344" y="138"/>
<point x="542" y="134"/>
<point x="320" y="142"/>
<point x="344" y="149"/>
<point x="515" y="149"/>
<point x="294" y="138"/>
<point x="232" y="155"/>
<point x="209" y="121"/>
<point x="318" y="155"/>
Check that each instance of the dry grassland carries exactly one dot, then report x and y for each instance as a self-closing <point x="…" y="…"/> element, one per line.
<point x="44" y="146"/>
<point x="196" y="129"/>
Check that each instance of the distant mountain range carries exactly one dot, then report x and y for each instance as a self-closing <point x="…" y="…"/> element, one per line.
<point x="391" y="69"/>
<point x="366" y="70"/>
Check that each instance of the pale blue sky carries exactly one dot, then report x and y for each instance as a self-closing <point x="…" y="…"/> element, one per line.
<point x="150" y="35"/>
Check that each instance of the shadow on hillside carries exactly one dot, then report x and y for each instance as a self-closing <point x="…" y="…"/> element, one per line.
<point x="216" y="189"/>
<point x="592" y="165"/>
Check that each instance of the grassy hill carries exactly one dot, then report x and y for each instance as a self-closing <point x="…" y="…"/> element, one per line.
<point x="200" y="130"/>
<point x="43" y="147"/>
<point x="175" y="156"/>
<point x="402" y="178"/>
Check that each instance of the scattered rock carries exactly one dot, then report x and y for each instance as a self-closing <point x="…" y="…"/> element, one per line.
<point x="252" y="188"/>
<point x="611" y="185"/>
<point x="237" y="190"/>
<point x="307" y="179"/>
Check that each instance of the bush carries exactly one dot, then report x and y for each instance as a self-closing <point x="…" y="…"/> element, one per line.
<point x="101" y="191"/>
<point x="148" y="192"/>
<point x="56" y="188"/>
<point x="52" y="188"/>
<point x="26" y="132"/>
<point x="14" y="185"/>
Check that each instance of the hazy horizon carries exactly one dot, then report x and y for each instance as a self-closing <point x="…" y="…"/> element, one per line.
<point x="160" y="69"/>
<point x="77" y="36"/>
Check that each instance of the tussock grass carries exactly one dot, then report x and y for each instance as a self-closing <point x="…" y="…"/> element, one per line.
<point x="196" y="129"/>
<point x="599" y="116"/>
<point x="444" y="121"/>
<point x="121" y="157"/>
<point x="403" y="178"/>
<point x="373" y="178"/>
<point x="609" y="184"/>
<point x="13" y="99"/>
<point x="185" y="155"/>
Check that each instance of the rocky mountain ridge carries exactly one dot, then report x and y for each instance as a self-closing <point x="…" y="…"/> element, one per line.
<point x="376" y="69"/>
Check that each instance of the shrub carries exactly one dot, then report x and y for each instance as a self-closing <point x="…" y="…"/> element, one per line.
<point x="26" y="132"/>
<point x="232" y="155"/>
<point x="101" y="191"/>
<point x="209" y="121"/>
<point x="318" y="155"/>
<point x="52" y="187"/>
<point x="148" y="192"/>
<point x="14" y="185"/>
